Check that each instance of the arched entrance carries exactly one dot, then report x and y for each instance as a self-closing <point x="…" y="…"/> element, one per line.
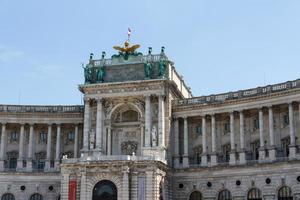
<point x="225" y="195"/>
<point x="105" y="190"/>
<point x="285" y="193"/>
<point x="254" y="194"/>
<point x="196" y="195"/>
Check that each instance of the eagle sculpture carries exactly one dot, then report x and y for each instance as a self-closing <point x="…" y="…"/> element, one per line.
<point x="127" y="49"/>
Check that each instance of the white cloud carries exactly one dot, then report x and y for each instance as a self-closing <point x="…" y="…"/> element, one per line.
<point x="7" y="55"/>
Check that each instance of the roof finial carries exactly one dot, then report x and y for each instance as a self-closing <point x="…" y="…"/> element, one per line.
<point x="129" y="33"/>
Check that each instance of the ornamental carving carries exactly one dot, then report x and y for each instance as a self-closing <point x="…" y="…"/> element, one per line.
<point x="198" y="149"/>
<point x="129" y="147"/>
<point x="108" y="106"/>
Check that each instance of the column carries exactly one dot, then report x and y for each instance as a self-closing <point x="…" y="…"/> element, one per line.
<point x="21" y="148"/>
<point x="204" y="142"/>
<point x="48" y="156"/>
<point x="76" y="142"/>
<point x="185" y="161"/>
<point x="142" y="136"/>
<point x="147" y="121"/>
<point x="83" y="186"/>
<point x="161" y="120"/>
<point x="65" y="180"/>
<point x="272" y="153"/>
<point x="3" y="146"/>
<point x="176" y="142"/>
<point x="125" y="185"/>
<point x="292" y="154"/>
<point x="242" y="153"/>
<point x="109" y="141"/>
<point x="232" y="160"/>
<point x="30" y="148"/>
<point x="213" y="158"/>
<point x="150" y="185"/>
<point x="86" y="125"/>
<point x="99" y="125"/>
<point x="262" y="155"/>
<point x="57" y="152"/>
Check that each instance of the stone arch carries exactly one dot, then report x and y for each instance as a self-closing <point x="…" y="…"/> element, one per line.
<point x="278" y="189"/>
<point x="194" y="192"/>
<point x="95" y="179"/>
<point x="36" y="196"/>
<point x="127" y="103"/>
<point x="105" y="189"/>
<point x="255" y="193"/>
<point x="224" y="194"/>
<point x="8" y="196"/>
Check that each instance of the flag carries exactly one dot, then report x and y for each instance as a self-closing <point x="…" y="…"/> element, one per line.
<point x="129" y="32"/>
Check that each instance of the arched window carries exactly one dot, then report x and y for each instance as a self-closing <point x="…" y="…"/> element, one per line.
<point x="8" y="196"/>
<point x="36" y="196"/>
<point x="130" y="116"/>
<point x="285" y="193"/>
<point x="254" y="194"/>
<point x="225" y="195"/>
<point x="196" y="195"/>
<point x="105" y="190"/>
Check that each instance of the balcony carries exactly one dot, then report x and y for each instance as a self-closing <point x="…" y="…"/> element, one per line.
<point x="85" y="159"/>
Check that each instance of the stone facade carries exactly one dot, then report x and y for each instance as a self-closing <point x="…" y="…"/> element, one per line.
<point x="142" y="134"/>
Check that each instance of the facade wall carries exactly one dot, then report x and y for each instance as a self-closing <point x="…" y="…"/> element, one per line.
<point x="226" y="178"/>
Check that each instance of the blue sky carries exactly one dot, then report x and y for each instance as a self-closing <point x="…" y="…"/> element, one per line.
<point x="217" y="45"/>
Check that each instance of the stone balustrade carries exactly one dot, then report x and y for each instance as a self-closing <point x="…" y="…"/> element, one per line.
<point x="241" y="94"/>
<point x="41" y="109"/>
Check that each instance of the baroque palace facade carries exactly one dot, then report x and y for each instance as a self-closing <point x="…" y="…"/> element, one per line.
<point x="142" y="136"/>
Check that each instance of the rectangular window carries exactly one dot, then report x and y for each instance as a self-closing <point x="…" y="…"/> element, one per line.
<point x="226" y="128"/>
<point x="286" y="120"/>
<point x="43" y="137"/>
<point x="71" y="136"/>
<point x="255" y="124"/>
<point x="199" y="130"/>
<point x="14" y="136"/>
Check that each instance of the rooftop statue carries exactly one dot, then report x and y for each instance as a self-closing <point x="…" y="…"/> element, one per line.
<point x="127" y="49"/>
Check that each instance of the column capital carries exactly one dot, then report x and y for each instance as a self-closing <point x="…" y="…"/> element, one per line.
<point x="231" y="113"/>
<point x="86" y="98"/>
<point x="3" y="123"/>
<point x="241" y="111"/>
<point x="147" y="95"/>
<point x="31" y="124"/>
<point x="22" y="124"/>
<point x="185" y="117"/>
<point x="203" y="115"/>
<point x="99" y="99"/>
<point x="50" y="124"/>
<point x="58" y="124"/>
<point x="163" y="96"/>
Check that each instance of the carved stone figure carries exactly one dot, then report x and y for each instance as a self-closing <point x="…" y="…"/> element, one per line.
<point x="148" y="69"/>
<point x="92" y="138"/>
<point x="162" y="68"/>
<point x="129" y="147"/>
<point x="101" y="74"/>
<point x="87" y="74"/>
<point x="154" y="136"/>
